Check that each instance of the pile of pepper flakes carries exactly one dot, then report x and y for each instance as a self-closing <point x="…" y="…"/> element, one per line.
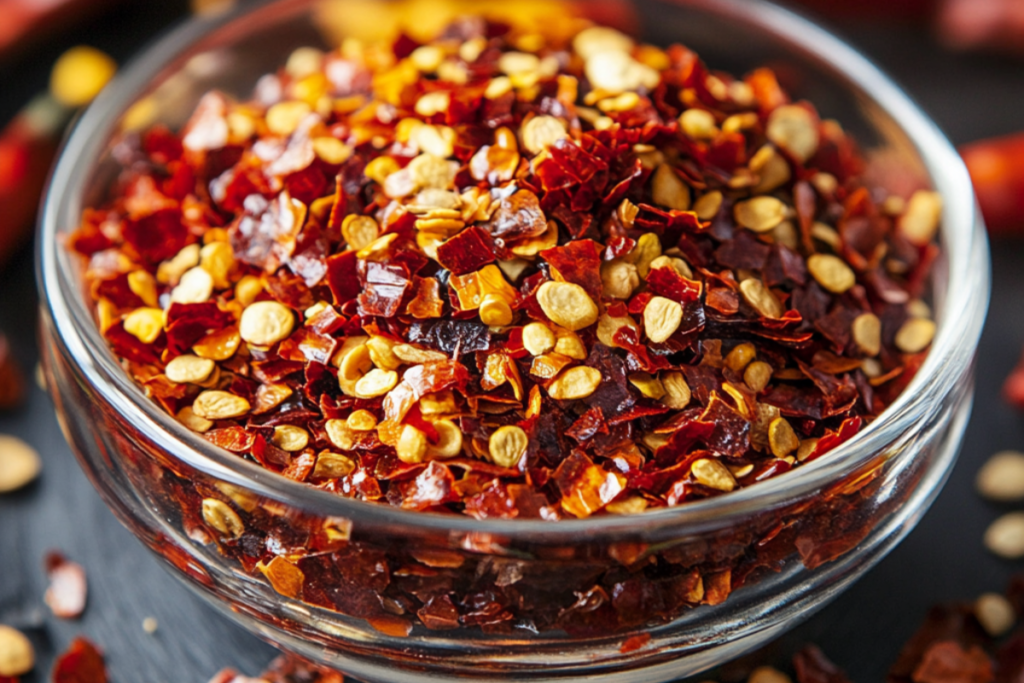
<point x="511" y="274"/>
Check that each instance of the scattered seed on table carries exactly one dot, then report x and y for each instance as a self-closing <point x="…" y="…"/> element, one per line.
<point x="1001" y="478"/>
<point x="1005" y="536"/>
<point x="995" y="614"/>
<point x="16" y="654"/>
<point x="19" y="464"/>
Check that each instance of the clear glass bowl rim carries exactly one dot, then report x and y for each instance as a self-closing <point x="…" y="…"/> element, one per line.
<point x="962" y="315"/>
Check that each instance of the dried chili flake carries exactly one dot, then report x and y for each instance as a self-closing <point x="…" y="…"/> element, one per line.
<point x="82" y="662"/>
<point x="560" y="264"/>
<point x="67" y="591"/>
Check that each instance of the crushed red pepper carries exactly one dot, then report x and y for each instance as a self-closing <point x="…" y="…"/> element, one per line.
<point x="510" y="276"/>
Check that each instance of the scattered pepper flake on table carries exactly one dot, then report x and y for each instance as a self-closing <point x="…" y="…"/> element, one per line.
<point x="66" y="594"/>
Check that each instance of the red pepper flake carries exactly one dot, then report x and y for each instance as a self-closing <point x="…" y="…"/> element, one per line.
<point x="67" y="592"/>
<point x="81" y="663"/>
<point x="507" y="301"/>
<point x="948" y="662"/>
<point x="634" y="643"/>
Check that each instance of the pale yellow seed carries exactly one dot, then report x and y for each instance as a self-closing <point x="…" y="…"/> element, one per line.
<point x="217" y="259"/>
<point x="380" y="168"/>
<point x="675" y="263"/>
<point x="608" y="327"/>
<point x="143" y="285"/>
<point x="995" y="614"/>
<point x="669" y="190"/>
<point x="377" y="249"/>
<point x="915" y="335"/>
<point x="304" y="61"/>
<point x="633" y="505"/>
<point x="569" y="344"/>
<point x="807" y="447"/>
<point x="785" y="234"/>
<point x="662" y="318"/>
<point x="698" y="124"/>
<point x="508" y="445"/>
<point x="188" y="417"/>
<point x="794" y="129"/>
<point x="433" y="103"/>
<point x="648" y="385"/>
<point x="921" y="220"/>
<point x="781" y="437"/>
<point x="331" y="150"/>
<point x="412" y="445"/>
<point x="677" y="391"/>
<point x="761" y="298"/>
<point x="145" y="324"/>
<point x="169" y="272"/>
<point x="760" y="214"/>
<point x="220" y="405"/>
<point x="598" y="39"/>
<point x="376" y="383"/>
<point x="567" y="304"/>
<point x="284" y="118"/>
<point x="1005" y="536"/>
<point x="440" y="403"/>
<point x="247" y="289"/>
<point x="427" y="58"/>
<point x="340" y="434"/>
<point x="541" y="132"/>
<point x="831" y="272"/>
<point x="740" y="357"/>
<point x="222" y="518"/>
<point x="150" y="625"/>
<point x="355" y="363"/>
<point x="330" y="465"/>
<point x="757" y="375"/>
<point x="1001" y="478"/>
<point x="772" y="171"/>
<point x="713" y="474"/>
<point x="708" y="205"/>
<point x="575" y="383"/>
<point x="430" y="171"/>
<point x="19" y="464"/>
<point x="767" y="674"/>
<point x="290" y="438"/>
<point x="188" y="369"/>
<point x="624" y="102"/>
<point x="361" y="421"/>
<point x="619" y="278"/>
<point x="617" y="72"/>
<point x="195" y="287"/>
<point x="513" y="63"/>
<point x="436" y="140"/>
<point x="266" y="323"/>
<point x="497" y="87"/>
<point x="918" y="309"/>
<point x="867" y="333"/>
<point x="449" y="441"/>
<point x="827" y="235"/>
<point x="17" y="657"/>
<point x="413" y="354"/>
<point x="739" y="122"/>
<point x="495" y="311"/>
<point x="382" y="353"/>
<point x="538" y="339"/>
<point x="647" y="248"/>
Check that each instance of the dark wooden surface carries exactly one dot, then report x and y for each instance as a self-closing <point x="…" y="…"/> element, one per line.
<point x="943" y="558"/>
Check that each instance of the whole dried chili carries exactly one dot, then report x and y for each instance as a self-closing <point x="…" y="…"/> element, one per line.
<point x="511" y="278"/>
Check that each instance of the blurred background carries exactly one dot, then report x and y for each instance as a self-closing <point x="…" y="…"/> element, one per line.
<point x="962" y="60"/>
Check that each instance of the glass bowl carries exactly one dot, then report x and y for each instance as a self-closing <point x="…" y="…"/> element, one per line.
<point x="637" y="598"/>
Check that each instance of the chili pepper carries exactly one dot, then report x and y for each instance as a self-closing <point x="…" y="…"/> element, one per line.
<point x="997" y="169"/>
<point x="29" y="142"/>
